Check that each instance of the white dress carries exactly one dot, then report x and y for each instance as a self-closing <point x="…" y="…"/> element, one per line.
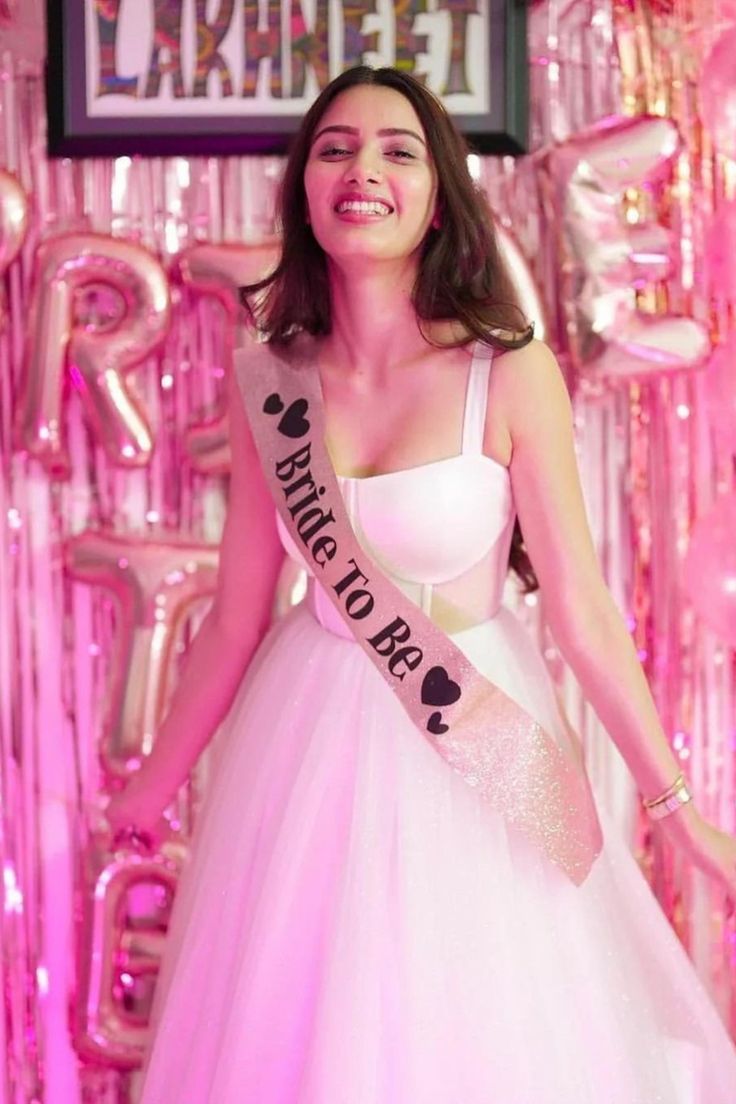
<point x="355" y="926"/>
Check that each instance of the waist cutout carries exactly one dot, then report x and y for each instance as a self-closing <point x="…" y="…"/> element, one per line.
<point x="324" y="612"/>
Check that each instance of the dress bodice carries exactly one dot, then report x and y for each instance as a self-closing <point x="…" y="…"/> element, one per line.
<point x="440" y="531"/>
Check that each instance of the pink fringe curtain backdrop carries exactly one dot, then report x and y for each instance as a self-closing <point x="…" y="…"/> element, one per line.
<point x="650" y="462"/>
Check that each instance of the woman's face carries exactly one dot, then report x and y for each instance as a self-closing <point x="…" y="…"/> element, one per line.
<point x="370" y="184"/>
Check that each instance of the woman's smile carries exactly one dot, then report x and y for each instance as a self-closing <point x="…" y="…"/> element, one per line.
<point x="362" y="209"/>
<point x="368" y="166"/>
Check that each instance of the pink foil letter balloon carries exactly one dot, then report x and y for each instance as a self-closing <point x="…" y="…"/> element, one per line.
<point x="126" y="897"/>
<point x="604" y="259"/>
<point x="530" y="300"/>
<point x="218" y="271"/>
<point x="13" y="226"/>
<point x="155" y="585"/>
<point x="99" y="358"/>
<point x="126" y="901"/>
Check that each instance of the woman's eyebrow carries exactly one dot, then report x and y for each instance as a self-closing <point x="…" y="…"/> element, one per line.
<point x="336" y="128"/>
<point x="401" y="130"/>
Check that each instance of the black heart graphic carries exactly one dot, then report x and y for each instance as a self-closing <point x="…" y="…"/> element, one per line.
<point x="438" y="688"/>
<point x="293" y="423"/>
<point x="435" y="725"/>
<point x="273" y="404"/>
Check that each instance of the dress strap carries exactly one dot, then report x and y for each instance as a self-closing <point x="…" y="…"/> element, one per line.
<point x="476" y="398"/>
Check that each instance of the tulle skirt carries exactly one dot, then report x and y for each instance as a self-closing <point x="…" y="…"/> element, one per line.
<point x="355" y="926"/>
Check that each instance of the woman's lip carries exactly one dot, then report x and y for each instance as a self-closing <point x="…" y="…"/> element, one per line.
<point x="355" y="197"/>
<point x="361" y="216"/>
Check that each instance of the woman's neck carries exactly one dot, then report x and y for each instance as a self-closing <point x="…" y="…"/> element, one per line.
<point x="374" y="324"/>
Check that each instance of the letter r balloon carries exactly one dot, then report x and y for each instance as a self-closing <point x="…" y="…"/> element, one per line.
<point x="99" y="359"/>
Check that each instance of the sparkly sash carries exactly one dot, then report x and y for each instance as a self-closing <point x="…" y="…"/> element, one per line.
<point x="498" y="748"/>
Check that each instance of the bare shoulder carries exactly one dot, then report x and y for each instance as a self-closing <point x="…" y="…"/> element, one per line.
<point x="534" y="365"/>
<point x="529" y="386"/>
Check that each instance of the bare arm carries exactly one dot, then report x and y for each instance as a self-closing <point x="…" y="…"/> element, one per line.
<point x="584" y="619"/>
<point x="530" y="391"/>
<point x="250" y="559"/>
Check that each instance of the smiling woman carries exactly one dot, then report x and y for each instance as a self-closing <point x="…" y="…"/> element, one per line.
<point x="400" y="890"/>
<point x="403" y="148"/>
<point x="408" y="153"/>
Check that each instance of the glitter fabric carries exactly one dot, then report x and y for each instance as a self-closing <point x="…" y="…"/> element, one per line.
<point x="494" y="744"/>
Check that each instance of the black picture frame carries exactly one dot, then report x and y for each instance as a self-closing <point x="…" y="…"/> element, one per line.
<point x="72" y="132"/>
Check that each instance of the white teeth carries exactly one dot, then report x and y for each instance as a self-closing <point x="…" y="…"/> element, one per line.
<point x="364" y="208"/>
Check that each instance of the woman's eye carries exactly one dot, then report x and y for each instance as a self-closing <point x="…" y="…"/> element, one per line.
<point x="339" y="151"/>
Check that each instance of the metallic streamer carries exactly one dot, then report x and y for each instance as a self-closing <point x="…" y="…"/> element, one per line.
<point x="642" y="441"/>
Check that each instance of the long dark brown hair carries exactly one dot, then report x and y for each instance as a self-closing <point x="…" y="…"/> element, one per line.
<point x="461" y="274"/>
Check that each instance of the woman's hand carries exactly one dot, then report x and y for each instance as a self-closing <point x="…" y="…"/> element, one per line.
<point x="710" y="849"/>
<point x="138" y="806"/>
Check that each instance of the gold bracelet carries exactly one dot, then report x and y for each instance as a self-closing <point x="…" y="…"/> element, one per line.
<point x="665" y="793"/>
<point x="677" y="795"/>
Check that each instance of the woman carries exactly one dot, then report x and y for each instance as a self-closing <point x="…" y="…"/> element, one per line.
<point x="355" y="926"/>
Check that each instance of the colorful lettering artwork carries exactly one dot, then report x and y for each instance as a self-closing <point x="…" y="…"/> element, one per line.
<point x="165" y="51"/>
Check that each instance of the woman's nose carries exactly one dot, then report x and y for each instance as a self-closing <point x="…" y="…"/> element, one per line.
<point x="364" y="166"/>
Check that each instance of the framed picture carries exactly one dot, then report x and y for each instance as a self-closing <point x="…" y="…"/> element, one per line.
<point x="236" y="76"/>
